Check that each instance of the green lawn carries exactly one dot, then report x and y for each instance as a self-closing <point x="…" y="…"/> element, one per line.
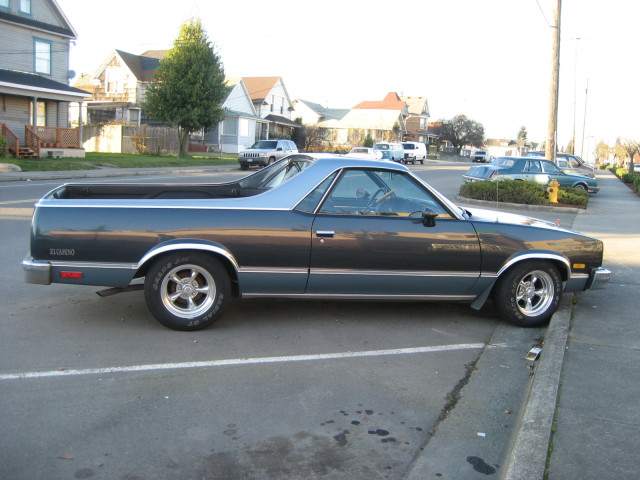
<point x="120" y="160"/>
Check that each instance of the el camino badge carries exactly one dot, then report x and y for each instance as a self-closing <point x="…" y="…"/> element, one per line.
<point x="62" y="252"/>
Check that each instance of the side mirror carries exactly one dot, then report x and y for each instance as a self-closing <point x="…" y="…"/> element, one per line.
<point x="430" y="219"/>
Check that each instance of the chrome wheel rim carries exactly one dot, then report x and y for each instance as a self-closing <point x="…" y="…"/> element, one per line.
<point x="535" y="293"/>
<point x="188" y="291"/>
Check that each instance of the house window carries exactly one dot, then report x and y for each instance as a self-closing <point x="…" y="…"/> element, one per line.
<point x="243" y="127"/>
<point x="114" y="80"/>
<point x="4" y="4"/>
<point x="42" y="56"/>
<point x="42" y="115"/>
<point x="25" y="7"/>
<point x="134" y="115"/>
<point x="230" y="126"/>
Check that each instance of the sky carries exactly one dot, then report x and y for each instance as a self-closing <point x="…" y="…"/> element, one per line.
<point x="489" y="60"/>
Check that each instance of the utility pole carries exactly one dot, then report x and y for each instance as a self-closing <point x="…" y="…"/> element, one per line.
<point x="550" y="151"/>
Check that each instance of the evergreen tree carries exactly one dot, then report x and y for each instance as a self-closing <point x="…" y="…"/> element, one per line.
<point x="189" y="87"/>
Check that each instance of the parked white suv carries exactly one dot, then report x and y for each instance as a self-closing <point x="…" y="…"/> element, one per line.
<point x="264" y="152"/>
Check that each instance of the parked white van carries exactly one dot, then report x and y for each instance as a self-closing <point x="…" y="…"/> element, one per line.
<point x="389" y="151"/>
<point x="414" y="152"/>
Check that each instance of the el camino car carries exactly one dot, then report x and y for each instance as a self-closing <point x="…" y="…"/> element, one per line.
<point x="305" y="227"/>
<point x="531" y="170"/>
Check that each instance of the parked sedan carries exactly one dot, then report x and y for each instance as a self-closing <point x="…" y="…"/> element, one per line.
<point x="305" y="227"/>
<point x="571" y="164"/>
<point x="529" y="169"/>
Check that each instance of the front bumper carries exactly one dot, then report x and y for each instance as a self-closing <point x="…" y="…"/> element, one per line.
<point x="598" y="279"/>
<point x="37" y="272"/>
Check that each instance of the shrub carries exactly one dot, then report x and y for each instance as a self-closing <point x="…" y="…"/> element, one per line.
<point x="510" y="191"/>
<point x="4" y="146"/>
<point x="636" y="182"/>
<point x="573" y="196"/>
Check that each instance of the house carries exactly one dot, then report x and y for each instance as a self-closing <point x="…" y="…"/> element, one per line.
<point x="34" y="74"/>
<point x="383" y="120"/>
<point x="418" y="120"/>
<point x="272" y="103"/>
<point x="118" y="87"/>
<point x="239" y="128"/>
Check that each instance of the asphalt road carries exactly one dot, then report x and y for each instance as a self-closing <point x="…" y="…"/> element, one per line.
<point x="94" y="387"/>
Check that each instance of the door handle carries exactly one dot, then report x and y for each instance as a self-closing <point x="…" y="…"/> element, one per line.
<point x="325" y="233"/>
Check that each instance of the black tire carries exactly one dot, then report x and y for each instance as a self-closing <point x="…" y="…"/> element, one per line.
<point x="581" y="186"/>
<point x="244" y="166"/>
<point x="187" y="291"/>
<point x="528" y="294"/>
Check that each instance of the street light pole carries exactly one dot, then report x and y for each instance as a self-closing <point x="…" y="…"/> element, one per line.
<point x="550" y="150"/>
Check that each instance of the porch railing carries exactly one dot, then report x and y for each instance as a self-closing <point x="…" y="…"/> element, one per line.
<point x="32" y="140"/>
<point x="59" y="137"/>
<point x="12" y="139"/>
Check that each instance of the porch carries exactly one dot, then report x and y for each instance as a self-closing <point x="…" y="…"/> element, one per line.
<point x="53" y="142"/>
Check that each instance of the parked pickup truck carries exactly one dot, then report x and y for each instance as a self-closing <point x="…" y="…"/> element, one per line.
<point x="304" y="227"/>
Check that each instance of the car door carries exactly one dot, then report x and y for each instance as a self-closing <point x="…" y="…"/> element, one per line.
<point x="370" y="238"/>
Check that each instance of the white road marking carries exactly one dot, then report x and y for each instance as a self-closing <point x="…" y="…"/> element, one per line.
<point x="241" y="361"/>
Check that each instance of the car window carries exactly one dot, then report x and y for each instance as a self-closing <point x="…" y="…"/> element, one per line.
<point x="550" y="167"/>
<point x="562" y="163"/>
<point x="533" y="166"/>
<point x="574" y="163"/>
<point x="379" y="192"/>
<point x="381" y="146"/>
<point x="310" y="202"/>
<point x="265" y="144"/>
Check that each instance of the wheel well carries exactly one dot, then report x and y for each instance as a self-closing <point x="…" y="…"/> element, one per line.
<point x="226" y="263"/>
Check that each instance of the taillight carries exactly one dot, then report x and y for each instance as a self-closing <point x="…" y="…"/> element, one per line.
<point x="70" y="274"/>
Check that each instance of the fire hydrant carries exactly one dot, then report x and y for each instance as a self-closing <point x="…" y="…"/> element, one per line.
<point x="552" y="190"/>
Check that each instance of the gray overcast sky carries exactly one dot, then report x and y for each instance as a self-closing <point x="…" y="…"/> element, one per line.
<point x="490" y="60"/>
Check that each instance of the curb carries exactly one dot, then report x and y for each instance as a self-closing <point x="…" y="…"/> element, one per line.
<point x="527" y="458"/>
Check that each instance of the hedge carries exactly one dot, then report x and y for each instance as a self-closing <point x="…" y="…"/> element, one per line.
<point x="516" y="191"/>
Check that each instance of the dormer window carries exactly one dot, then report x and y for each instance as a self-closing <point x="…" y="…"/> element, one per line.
<point x="114" y="80"/>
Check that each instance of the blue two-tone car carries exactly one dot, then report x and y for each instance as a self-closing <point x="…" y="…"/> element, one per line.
<point x="532" y="170"/>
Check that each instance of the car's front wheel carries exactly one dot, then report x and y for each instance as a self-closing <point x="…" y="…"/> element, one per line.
<point x="528" y="294"/>
<point x="187" y="290"/>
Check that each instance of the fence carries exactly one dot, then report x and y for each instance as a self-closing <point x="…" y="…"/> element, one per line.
<point x="123" y="139"/>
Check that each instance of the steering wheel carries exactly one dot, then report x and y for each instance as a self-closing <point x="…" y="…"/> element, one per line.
<point x="380" y="191"/>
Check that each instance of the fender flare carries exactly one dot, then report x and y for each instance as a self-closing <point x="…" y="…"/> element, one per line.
<point x="178" y="245"/>
<point x="555" y="257"/>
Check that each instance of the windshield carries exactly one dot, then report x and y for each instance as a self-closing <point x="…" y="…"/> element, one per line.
<point x="409" y="146"/>
<point x="265" y="144"/>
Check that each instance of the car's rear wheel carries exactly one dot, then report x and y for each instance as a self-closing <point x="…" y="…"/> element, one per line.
<point x="187" y="291"/>
<point x="528" y="294"/>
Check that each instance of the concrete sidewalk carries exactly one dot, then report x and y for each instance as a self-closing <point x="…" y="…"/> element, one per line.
<point x="590" y="362"/>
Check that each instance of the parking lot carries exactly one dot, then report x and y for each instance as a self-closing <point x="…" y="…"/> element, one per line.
<point x="96" y="388"/>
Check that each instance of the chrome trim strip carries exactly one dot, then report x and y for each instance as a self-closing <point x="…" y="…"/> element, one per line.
<point x="101" y="265"/>
<point x="76" y="204"/>
<point x="187" y="246"/>
<point x="599" y="279"/>
<point x="393" y="273"/>
<point x="537" y="256"/>
<point x="355" y="296"/>
<point x="273" y="271"/>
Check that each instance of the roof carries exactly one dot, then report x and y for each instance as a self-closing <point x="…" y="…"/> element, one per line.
<point x="65" y="30"/>
<point x="259" y="87"/>
<point x="378" y="119"/>
<point x="35" y="82"/>
<point x="142" y="67"/>
<point x="281" y="120"/>
<point x="390" y="102"/>
<point x="324" y="112"/>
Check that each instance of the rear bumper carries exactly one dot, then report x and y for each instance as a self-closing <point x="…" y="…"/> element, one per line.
<point x="37" y="272"/>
